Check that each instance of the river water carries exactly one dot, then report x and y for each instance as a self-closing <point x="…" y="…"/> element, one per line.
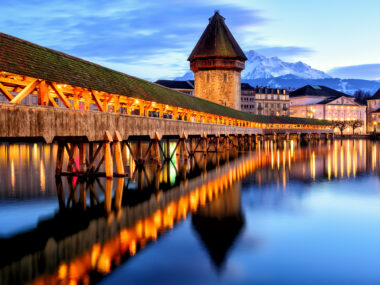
<point x="275" y="215"/>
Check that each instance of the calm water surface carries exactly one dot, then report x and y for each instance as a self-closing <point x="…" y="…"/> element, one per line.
<point x="276" y="215"/>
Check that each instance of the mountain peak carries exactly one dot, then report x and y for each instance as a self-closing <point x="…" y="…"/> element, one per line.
<point x="260" y="66"/>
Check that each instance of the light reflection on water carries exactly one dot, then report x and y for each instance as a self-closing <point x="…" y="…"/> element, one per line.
<point x="252" y="218"/>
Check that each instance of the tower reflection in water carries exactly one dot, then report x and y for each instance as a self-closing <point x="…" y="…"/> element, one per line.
<point x="102" y="223"/>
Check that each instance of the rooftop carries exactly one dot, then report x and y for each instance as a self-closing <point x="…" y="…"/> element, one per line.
<point x="177" y="84"/>
<point x="246" y="86"/>
<point x="217" y="41"/>
<point x="375" y="96"/>
<point x="316" y="90"/>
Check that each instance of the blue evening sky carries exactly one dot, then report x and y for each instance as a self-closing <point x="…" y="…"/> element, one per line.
<point x="152" y="38"/>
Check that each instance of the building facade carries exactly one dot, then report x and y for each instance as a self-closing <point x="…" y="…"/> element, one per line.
<point x="373" y="113"/>
<point x="217" y="61"/>
<point x="320" y="102"/>
<point x="271" y="102"/>
<point x="247" y="98"/>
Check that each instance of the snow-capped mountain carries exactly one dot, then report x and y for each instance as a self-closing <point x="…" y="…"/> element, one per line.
<point x="272" y="71"/>
<point x="259" y="66"/>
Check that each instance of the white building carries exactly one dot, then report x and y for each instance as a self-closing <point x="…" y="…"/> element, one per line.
<point x="373" y="113"/>
<point x="320" y="102"/>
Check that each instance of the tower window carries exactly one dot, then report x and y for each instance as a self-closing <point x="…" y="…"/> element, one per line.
<point x="225" y="77"/>
<point x="208" y="77"/>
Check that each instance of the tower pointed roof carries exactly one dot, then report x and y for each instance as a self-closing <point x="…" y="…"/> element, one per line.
<point x="217" y="41"/>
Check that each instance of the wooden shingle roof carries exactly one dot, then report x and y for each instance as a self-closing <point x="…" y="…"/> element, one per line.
<point x="316" y="90"/>
<point x="217" y="41"/>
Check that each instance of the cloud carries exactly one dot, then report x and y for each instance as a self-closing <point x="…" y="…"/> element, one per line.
<point x="284" y="52"/>
<point x="363" y="71"/>
<point x="127" y="33"/>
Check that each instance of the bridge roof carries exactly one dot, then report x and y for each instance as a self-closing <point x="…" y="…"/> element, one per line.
<point x="25" y="58"/>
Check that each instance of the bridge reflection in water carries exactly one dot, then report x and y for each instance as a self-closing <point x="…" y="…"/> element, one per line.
<point x="102" y="223"/>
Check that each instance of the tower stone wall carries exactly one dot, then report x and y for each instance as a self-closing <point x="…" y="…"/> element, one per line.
<point x="219" y="86"/>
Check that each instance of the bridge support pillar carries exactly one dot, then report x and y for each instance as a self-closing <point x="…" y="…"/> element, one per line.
<point x="217" y="143"/>
<point x="108" y="162"/>
<point x="204" y="144"/>
<point x="183" y="146"/>
<point x="250" y="142"/>
<point x="167" y="156"/>
<point x="82" y="157"/>
<point x="227" y="142"/>
<point x="117" y="153"/>
<point x="60" y="155"/>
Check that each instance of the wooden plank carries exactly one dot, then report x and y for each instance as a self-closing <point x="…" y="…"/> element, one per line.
<point x="97" y="101"/>
<point x="61" y="96"/>
<point x="52" y="101"/>
<point x="43" y="94"/>
<point x="13" y="82"/>
<point x="6" y="92"/>
<point x="25" y="92"/>
<point x="108" y="161"/>
<point x="117" y="152"/>
<point x="60" y="156"/>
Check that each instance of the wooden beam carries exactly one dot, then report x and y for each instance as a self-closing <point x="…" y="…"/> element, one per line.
<point x="6" y="92"/>
<point x="108" y="161"/>
<point x="117" y="152"/>
<point x="52" y="101"/>
<point x="25" y="92"/>
<point x="61" y="96"/>
<point x="14" y="82"/>
<point x="97" y="101"/>
<point x="87" y="99"/>
<point x="43" y="94"/>
<point x="77" y="93"/>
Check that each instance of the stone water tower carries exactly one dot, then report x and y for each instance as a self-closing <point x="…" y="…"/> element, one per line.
<point x="217" y="61"/>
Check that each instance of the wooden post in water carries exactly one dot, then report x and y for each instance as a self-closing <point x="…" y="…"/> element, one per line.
<point x="118" y="154"/>
<point x="167" y="158"/>
<point x="156" y="146"/>
<point x="108" y="162"/>
<point x="82" y="158"/>
<point x="204" y="143"/>
<point x="108" y="196"/>
<point x="183" y="146"/>
<point x="119" y="192"/>
<point x="60" y="155"/>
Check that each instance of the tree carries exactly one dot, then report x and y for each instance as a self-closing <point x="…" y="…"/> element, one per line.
<point x="361" y="97"/>
<point x="355" y="124"/>
<point x="341" y="125"/>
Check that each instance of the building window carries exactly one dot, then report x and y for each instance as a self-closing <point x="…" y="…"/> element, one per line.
<point x="208" y="78"/>
<point x="225" y="77"/>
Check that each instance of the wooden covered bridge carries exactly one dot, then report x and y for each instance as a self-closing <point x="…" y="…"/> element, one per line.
<point x="51" y="96"/>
